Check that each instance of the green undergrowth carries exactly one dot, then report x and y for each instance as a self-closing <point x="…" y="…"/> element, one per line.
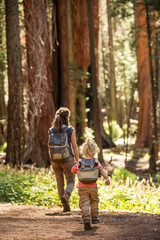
<point x="38" y="187"/>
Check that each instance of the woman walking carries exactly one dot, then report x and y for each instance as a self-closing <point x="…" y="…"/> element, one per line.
<point x="62" y="167"/>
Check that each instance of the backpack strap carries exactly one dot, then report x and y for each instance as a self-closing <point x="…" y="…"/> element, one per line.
<point x="82" y="163"/>
<point x="92" y="163"/>
<point x="65" y="129"/>
<point x="68" y="130"/>
<point x="50" y="130"/>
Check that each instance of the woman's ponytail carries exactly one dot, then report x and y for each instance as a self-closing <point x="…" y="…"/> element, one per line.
<point x="61" y="117"/>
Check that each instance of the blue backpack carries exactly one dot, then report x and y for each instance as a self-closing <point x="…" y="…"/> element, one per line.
<point x="58" y="144"/>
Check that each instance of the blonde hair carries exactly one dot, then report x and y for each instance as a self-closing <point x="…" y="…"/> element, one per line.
<point x="89" y="147"/>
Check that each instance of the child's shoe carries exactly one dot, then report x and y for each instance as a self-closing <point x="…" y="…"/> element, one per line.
<point x="65" y="203"/>
<point x="95" y="220"/>
<point x="87" y="224"/>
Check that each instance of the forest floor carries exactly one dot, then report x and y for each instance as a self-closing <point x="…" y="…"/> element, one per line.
<point x="20" y="222"/>
<point x="137" y="162"/>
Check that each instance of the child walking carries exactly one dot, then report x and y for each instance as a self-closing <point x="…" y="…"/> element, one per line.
<point x="88" y="192"/>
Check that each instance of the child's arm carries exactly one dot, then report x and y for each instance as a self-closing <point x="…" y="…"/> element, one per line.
<point x="105" y="175"/>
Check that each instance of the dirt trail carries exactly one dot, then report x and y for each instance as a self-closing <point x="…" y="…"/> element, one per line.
<point x="37" y="223"/>
<point x="18" y="222"/>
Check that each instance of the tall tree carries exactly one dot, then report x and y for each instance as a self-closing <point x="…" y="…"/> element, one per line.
<point x="14" y="132"/>
<point x="72" y="25"/>
<point x="112" y="78"/>
<point x="144" y="84"/>
<point x="3" y="110"/>
<point x="81" y="62"/>
<point x="41" y="104"/>
<point x="154" y="144"/>
<point x="96" y="114"/>
<point x="62" y="64"/>
<point x="72" y="81"/>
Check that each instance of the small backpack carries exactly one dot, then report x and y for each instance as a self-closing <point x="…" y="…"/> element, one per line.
<point x="58" y="144"/>
<point x="87" y="170"/>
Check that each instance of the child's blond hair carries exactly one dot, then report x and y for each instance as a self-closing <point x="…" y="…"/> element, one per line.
<point x="89" y="147"/>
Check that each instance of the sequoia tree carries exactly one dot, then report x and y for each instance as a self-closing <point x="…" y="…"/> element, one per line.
<point x="61" y="63"/>
<point x="14" y="132"/>
<point x="15" y="84"/>
<point x="154" y="144"/>
<point x="96" y="114"/>
<point x="3" y="111"/>
<point x="144" y="84"/>
<point x="81" y="62"/>
<point x="40" y="83"/>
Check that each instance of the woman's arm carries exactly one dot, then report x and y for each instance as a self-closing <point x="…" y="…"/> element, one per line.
<point x="74" y="145"/>
<point x="48" y="139"/>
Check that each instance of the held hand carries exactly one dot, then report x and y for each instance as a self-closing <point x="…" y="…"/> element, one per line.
<point x="107" y="182"/>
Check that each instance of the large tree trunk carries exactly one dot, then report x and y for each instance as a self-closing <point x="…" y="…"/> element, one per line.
<point x="14" y="133"/>
<point x="41" y="105"/>
<point x="154" y="144"/>
<point x="72" y="80"/>
<point x="63" y="80"/>
<point x="106" y="139"/>
<point x="81" y="62"/>
<point x="96" y="113"/>
<point x="144" y="86"/>
<point x="3" y="110"/>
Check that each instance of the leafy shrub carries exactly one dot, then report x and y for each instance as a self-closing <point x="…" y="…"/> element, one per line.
<point x="120" y="174"/>
<point x="39" y="187"/>
<point x="30" y="187"/>
<point x="113" y="129"/>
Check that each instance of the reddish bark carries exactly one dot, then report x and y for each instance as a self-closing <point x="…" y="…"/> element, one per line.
<point x="144" y="86"/>
<point x="154" y="144"/>
<point x="81" y="34"/>
<point x="94" y="81"/>
<point x="41" y="105"/>
<point x="81" y="58"/>
<point x="63" y="62"/>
